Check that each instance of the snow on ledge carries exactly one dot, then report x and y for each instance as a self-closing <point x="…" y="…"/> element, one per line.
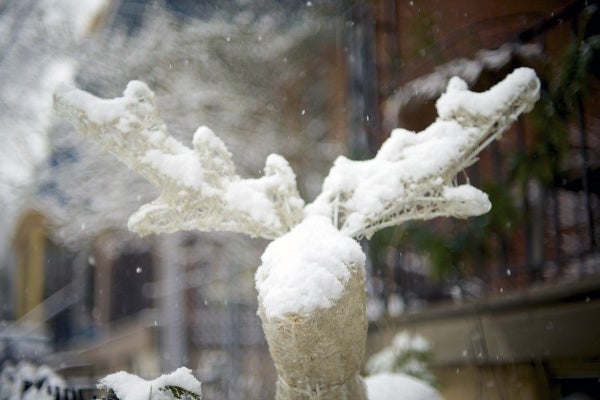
<point x="389" y="386"/>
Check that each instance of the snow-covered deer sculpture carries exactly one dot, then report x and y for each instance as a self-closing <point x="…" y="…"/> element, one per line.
<point x="311" y="284"/>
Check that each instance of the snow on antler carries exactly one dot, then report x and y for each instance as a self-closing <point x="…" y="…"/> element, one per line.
<point x="413" y="176"/>
<point x="199" y="187"/>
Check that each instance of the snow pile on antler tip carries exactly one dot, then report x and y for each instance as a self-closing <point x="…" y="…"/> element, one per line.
<point x="306" y="269"/>
<point x="131" y="387"/>
<point x="522" y="82"/>
<point x="102" y="111"/>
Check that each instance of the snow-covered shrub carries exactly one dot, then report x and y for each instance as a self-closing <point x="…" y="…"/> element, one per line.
<point x="408" y="353"/>
<point x="27" y="381"/>
<point x="178" y="385"/>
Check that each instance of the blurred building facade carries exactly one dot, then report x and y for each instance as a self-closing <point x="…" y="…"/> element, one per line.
<point x="512" y="313"/>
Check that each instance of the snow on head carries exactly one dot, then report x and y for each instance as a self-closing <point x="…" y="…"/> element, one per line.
<point x="306" y="269"/>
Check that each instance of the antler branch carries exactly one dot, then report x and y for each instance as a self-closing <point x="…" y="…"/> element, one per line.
<point x="413" y="176"/>
<point x="199" y="186"/>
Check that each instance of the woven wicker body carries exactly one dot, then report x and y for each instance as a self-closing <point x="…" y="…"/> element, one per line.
<point x="319" y="355"/>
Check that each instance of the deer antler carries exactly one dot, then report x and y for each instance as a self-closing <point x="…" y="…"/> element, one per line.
<point x="413" y="176"/>
<point x="199" y="187"/>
